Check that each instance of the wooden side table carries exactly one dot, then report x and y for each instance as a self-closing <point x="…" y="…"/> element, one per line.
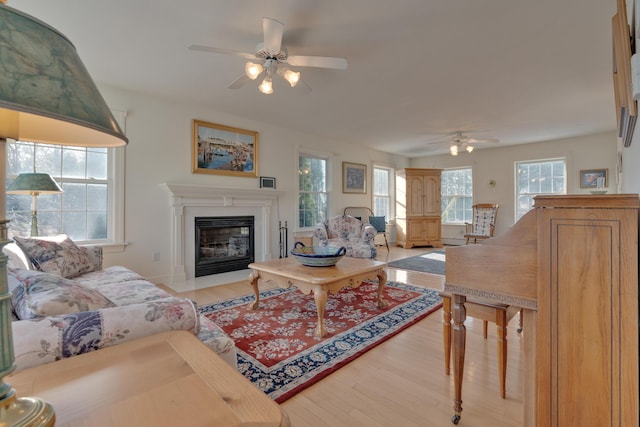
<point x="165" y="379"/>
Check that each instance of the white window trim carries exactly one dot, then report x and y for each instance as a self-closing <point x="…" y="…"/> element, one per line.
<point x="392" y="187"/>
<point x="566" y="160"/>
<point x="330" y="157"/>
<point x="116" y="242"/>
<point x="116" y="199"/>
<point x="473" y="186"/>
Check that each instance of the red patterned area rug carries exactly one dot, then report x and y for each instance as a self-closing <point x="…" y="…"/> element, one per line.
<point x="276" y="347"/>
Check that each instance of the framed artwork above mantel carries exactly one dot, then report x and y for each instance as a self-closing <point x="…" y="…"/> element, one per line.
<point x="224" y="150"/>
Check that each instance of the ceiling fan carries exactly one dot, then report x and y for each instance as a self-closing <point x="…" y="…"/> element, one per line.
<point x="460" y="141"/>
<point x="271" y="59"/>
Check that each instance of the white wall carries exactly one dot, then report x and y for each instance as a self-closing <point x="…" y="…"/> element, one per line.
<point x="588" y="152"/>
<point x="159" y="151"/>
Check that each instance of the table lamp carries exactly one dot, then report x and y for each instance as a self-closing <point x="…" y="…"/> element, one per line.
<point x="34" y="184"/>
<point x="46" y="96"/>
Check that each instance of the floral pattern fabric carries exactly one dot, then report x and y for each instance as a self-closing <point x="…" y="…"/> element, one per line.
<point x="348" y="231"/>
<point x="109" y="275"/>
<point x="63" y="258"/>
<point x="56" y="337"/>
<point x="138" y="308"/>
<point x="39" y="294"/>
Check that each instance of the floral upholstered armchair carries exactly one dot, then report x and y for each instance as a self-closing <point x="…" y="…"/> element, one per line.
<point x="344" y="230"/>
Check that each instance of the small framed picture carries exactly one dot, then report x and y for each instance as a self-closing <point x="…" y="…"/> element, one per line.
<point x="267" y="182"/>
<point x="594" y="178"/>
<point x="354" y="178"/>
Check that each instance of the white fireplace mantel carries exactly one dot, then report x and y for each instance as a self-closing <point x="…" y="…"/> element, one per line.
<point x="189" y="201"/>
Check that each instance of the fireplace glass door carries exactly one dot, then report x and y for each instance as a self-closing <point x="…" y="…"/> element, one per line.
<point x="223" y="244"/>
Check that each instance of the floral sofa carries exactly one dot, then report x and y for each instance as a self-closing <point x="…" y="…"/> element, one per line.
<point x="345" y="230"/>
<point x="64" y="304"/>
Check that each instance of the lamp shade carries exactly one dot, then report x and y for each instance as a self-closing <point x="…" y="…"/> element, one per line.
<point x="46" y="93"/>
<point x="46" y="96"/>
<point x="28" y="183"/>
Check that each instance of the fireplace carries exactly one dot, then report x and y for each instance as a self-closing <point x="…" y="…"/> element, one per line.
<point x="223" y="244"/>
<point x="188" y="201"/>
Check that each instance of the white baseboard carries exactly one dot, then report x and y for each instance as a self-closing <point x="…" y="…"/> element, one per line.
<point x="208" y="281"/>
<point x="454" y="242"/>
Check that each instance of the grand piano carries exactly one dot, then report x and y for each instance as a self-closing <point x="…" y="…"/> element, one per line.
<point x="571" y="264"/>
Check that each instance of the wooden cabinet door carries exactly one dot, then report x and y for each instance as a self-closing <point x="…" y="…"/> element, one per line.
<point x="414" y="230"/>
<point x="415" y="195"/>
<point x="424" y="230"/>
<point x="431" y="229"/>
<point x="431" y="204"/>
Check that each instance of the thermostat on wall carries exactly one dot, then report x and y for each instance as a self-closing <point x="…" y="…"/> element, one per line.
<point x="267" y="182"/>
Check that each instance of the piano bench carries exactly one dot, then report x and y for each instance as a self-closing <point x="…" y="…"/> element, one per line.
<point x="500" y="314"/>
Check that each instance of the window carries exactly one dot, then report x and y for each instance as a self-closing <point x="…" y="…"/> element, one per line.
<point x="456" y="195"/>
<point x="84" y="211"/>
<point x="382" y="191"/>
<point x="312" y="190"/>
<point x="536" y="178"/>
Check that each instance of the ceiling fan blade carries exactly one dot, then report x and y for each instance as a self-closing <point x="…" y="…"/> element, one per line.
<point x="272" y="30"/>
<point x="442" y="139"/>
<point x="477" y="141"/>
<point x="210" y="49"/>
<point x="318" y="61"/>
<point x="239" y="82"/>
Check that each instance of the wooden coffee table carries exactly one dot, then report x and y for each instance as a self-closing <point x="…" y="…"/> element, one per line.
<point x="287" y="272"/>
<point x="166" y="379"/>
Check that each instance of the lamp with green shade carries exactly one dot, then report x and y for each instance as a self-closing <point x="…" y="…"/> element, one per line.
<point x="46" y="96"/>
<point x="34" y="184"/>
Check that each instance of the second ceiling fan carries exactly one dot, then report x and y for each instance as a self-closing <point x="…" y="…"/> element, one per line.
<point x="271" y="59"/>
<point x="460" y="141"/>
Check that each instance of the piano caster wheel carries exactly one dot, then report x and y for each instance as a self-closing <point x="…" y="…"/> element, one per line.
<point x="455" y="419"/>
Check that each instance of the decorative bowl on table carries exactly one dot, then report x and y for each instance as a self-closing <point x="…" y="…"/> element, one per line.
<point x="317" y="256"/>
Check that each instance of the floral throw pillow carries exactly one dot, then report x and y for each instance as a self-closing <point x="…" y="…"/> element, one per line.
<point x="41" y="294"/>
<point x="61" y="257"/>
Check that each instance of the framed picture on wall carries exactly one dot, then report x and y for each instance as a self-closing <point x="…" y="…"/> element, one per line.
<point x="590" y="178"/>
<point x="224" y="150"/>
<point x="354" y="178"/>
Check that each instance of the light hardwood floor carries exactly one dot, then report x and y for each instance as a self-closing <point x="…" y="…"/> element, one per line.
<point x="401" y="382"/>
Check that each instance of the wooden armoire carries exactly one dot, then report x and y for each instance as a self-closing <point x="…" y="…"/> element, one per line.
<point x="418" y="221"/>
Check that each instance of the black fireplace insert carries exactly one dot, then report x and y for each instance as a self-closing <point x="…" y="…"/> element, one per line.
<point x="223" y="244"/>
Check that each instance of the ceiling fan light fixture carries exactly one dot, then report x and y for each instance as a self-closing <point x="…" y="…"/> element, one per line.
<point x="291" y="76"/>
<point x="252" y="70"/>
<point x="266" y="86"/>
<point x="469" y="148"/>
<point x="453" y="149"/>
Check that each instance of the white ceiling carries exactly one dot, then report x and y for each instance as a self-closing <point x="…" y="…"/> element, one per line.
<point x="518" y="70"/>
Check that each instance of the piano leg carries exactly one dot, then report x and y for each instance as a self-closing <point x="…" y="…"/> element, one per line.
<point x="446" y="331"/>
<point x="459" y="341"/>
<point x="501" y="322"/>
